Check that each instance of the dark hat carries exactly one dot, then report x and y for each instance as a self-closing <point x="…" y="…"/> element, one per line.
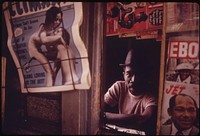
<point x="129" y="59"/>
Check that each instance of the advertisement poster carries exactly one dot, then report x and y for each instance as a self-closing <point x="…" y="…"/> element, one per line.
<point x="45" y="44"/>
<point x="182" y="16"/>
<point x="112" y="27"/>
<point x="131" y="17"/>
<point x="181" y="77"/>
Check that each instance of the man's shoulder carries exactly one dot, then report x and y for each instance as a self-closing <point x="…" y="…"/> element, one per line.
<point x="166" y="126"/>
<point x="165" y="129"/>
<point x="150" y="95"/>
<point x="118" y="85"/>
<point x="194" y="131"/>
<point x="120" y="82"/>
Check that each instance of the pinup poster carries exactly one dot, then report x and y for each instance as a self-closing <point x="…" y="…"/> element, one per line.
<point x="141" y="18"/>
<point x="44" y="41"/>
<point x="183" y="54"/>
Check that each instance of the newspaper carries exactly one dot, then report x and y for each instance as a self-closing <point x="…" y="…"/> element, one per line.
<point x="124" y="130"/>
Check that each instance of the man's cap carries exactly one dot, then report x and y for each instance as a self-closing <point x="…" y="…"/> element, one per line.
<point x="185" y="66"/>
<point x="129" y="59"/>
<point x="138" y="61"/>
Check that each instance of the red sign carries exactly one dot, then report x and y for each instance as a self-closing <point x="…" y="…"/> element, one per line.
<point x="131" y="17"/>
<point x="183" y="49"/>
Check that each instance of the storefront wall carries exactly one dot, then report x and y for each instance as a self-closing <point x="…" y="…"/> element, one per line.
<point x="77" y="111"/>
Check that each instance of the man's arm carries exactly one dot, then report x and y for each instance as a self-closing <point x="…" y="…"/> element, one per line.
<point x="132" y="120"/>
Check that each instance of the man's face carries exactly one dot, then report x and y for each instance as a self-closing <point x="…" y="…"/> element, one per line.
<point x="184" y="74"/>
<point x="132" y="80"/>
<point x="184" y="112"/>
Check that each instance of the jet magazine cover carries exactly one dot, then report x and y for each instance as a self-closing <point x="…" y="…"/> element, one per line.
<point x="181" y="80"/>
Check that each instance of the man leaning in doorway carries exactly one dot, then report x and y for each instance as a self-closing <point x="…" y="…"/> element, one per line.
<point x="137" y="107"/>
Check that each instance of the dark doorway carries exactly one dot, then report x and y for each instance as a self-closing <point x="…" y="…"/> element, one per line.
<point x="116" y="50"/>
<point x="115" y="53"/>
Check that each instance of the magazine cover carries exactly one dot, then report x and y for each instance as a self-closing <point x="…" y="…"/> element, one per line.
<point x="112" y="11"/>
<point x="182" y="81"/>
<point x="45" y="44"/>
<point x="182" y="16"/>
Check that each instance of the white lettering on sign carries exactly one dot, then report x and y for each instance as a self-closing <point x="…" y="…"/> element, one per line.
<point x="183" y="49"/>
